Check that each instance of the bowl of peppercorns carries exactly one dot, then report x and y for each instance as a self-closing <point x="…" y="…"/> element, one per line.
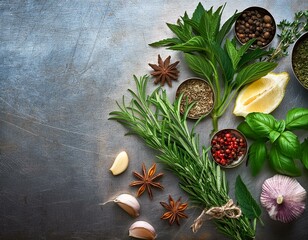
<point x="255" y="23"/>
<point x="228" y="148"/>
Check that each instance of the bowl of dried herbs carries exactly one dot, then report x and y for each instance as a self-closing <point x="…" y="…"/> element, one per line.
<point x="300" y="60"/>
<point x="198" y="92"/>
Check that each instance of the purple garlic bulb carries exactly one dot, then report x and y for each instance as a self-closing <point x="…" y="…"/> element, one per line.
<point x="283" y="197"/>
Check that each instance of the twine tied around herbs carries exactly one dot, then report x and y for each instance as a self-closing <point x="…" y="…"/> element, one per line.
<point x="228" y="210"/>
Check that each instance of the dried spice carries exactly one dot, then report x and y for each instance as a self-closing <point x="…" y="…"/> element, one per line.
<point x="175" y="210"/>
<point x="147" y="180"/>
<point x="196" y="91"/>
<point x="300" y="60"/>
<point x="164" y="71"/>
<point x="255" y="23"/>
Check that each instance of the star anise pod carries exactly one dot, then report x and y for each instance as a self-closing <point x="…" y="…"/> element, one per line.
<point x="164" y="71"/>
<point x="175" y="210"/>
<point x="147" y="180"/>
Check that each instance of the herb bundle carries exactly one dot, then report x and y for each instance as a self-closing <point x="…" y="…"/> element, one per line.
<point x="290" y="32"/>
<point x="162" y="127"/>
<point x="274" y="139"/>
<point x="214" y="57"/>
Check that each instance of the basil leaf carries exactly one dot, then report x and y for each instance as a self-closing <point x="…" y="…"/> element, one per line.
<point x="280" y="126"/>
<point x="304" y="158"/>
<point x="273" y="136"/>
<point x="248" y="205"/>
<point x="253" y="72"/>
<point x="247" y="131"/>
<point x="289" y="144"/>
<point x="282" y="163"/>
<point x="297" y="118"/>
<point x="261" y="123"/>
<point x="257" y="154"/>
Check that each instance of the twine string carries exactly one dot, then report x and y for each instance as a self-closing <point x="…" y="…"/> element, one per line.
<point x="228" y="210"/>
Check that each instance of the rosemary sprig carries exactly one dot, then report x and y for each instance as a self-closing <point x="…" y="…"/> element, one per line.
<point x="290" y="32"/>
<point x="162" y="127"/>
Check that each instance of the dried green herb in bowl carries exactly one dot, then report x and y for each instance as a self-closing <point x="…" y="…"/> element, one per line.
<point x="199" y="92"/>
<point x="300" y="60"/>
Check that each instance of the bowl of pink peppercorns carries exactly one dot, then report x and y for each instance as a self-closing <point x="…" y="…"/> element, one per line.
<point x="228" y="148"/>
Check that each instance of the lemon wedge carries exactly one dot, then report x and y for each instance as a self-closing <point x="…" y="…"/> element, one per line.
<point x="263" y="95"/>
<point x="120" y="164"/>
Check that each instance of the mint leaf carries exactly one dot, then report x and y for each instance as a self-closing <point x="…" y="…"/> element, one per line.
<point x="282" y="163"/>
<point x="166" y="42"/>
<point x="253" y="72"/>
<point x="248" y="205"/>
<point x="232" y="52"/>
<point x="199" y="65"/>
<point x="261" y="123"/>
<point x="257" y="154"/>
<point x="297" y="118"/>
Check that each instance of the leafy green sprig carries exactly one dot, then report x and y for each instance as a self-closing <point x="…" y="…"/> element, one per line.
<point x="290" y="32"/>
<point x="214" y="57"/>
<point x="274" y="140"/>
<point x="162" y="127"/>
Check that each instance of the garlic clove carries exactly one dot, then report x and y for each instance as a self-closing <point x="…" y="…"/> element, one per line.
<point x="142" y="230"/>
<point x="120" y="164"/>
<point x="128" y="203"/>
<point x="283" y="197"/>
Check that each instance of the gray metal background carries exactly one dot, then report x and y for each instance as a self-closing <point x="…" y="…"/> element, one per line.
<point x="63" y="65"/>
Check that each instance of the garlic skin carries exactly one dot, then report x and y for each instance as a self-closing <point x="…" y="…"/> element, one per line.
<point x="142" y="230"/>
<point x="283" y="197"/>
<point x="128" y="203"/>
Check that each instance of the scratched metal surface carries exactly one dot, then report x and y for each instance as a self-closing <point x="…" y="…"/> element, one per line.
<point x="63" y="65"/>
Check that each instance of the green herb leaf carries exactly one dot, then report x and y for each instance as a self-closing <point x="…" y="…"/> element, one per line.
<point x="179" y="32"/>
<point x="210" y="23"/>
<point x="250" y="56"/>
<point x="256" y="156"/>
<point x="289" y="144"/>
<point x="297" y="118"/>
<point x="198" y="13"/>
<point x="226" y="27"/>
<point x="280" y="126"/>
<point x="253" y="72"/>
<point x="304" y="158"/>
<point x="247" y="131"/>
<point x="273" y="136"/>
<point x="261" y="123"/>
<point x="248" y="205"/>
<point x="166" y="42"/>
<point x="193" y="44"/>
<point x="199" y="65"/>
<point x="232" y="52"/>
<point x="282" y="163"/>
<point x="224" y="61"/>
